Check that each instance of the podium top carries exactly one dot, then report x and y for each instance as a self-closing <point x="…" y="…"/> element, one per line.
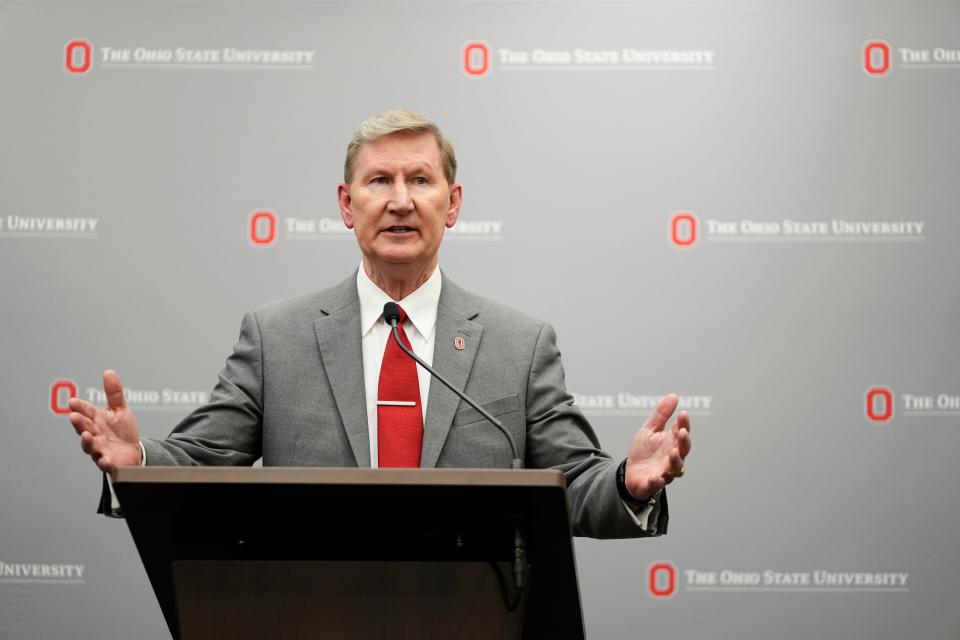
<point x="341" y="476"/>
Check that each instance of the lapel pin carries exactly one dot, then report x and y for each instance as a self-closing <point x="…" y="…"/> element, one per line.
<point x="459" y="343"/>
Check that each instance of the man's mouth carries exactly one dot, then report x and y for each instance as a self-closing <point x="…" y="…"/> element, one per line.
<point x="399" y="229"/>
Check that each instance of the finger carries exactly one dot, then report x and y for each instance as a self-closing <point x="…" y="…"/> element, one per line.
<point x="683" y="422"/>
<point x="92" y="445"/>
<point x="82" y="423"/>
<point x="84" y="407"/>
<point x="676" y="462"/>
<point x="114" y="390"/>
<point x="86" y="442"/>
<point x="665" y="408"/>
<point x="684" y="443"/>
<point x="95" y="450"/>
<point x="105" y="464"/>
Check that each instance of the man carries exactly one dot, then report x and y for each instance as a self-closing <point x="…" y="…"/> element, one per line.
<point x="317" y="381"/>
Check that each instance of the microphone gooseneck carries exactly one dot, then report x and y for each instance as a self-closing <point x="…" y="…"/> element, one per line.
<point x="391" y="315"/>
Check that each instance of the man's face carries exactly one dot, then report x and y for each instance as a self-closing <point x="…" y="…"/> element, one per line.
<point x="399" y="202"/>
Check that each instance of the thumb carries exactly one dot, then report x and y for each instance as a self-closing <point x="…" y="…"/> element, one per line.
<point x="664" y="409"/>
<point x="113" y="388"/>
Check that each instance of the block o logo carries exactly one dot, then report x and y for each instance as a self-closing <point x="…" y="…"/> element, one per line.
<point x="683" y="229"/>
<point x="662" y="579"/>
<point x="879" y="404"/>
<point x="60" y="393"/>
<point x="78" y="56"/>
<point x="476" y="58"/>
<point x="876" y="58"/>
<point x="263" y="227"/>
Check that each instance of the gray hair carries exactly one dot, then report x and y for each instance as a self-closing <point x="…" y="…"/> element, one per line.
<point x="398" y="121"/>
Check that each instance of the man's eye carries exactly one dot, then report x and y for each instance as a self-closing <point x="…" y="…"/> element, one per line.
<point x="420" y="180"/>
<point x="381" y="180"/>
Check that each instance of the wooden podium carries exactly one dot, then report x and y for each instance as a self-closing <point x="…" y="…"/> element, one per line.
<point x="292" y="553"/>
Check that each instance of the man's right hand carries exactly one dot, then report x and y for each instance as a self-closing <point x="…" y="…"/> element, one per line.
<point x="110" y="435"/>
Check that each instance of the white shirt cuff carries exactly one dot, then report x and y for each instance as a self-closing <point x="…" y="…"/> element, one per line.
<point x="641" y="516"/>
<point x="114" y="501"/>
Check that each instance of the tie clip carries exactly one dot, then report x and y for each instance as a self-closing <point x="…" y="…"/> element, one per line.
<point x="396" y="403"/>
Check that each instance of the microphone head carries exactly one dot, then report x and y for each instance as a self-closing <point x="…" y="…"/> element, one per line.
<point x="391" y="313"/>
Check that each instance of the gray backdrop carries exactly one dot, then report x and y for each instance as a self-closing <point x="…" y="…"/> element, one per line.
<point x="820" y="369"/>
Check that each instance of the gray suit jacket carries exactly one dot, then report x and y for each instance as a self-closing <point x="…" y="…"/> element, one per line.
<point x="292" y="392"/>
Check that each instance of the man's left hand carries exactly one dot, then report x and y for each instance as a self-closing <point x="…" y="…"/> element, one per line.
<point x="657" y="453"/>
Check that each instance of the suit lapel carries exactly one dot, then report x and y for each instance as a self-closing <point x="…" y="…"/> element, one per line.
<point x="454" y="318"/>
<point x="339" y="336"/>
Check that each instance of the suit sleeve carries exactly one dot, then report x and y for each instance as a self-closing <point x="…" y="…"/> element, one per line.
<point x="560" y="437"/>
<point x="228" y="429"/>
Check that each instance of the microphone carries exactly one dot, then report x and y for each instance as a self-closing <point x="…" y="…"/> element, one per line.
<point x="391" y="315"/>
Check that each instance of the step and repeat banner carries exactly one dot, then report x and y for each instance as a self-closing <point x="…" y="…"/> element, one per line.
<point x="752" y="204"/>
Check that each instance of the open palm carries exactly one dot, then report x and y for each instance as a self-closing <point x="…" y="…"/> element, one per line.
<point x="109" y="435"/>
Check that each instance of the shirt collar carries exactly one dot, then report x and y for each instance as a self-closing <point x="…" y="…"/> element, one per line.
<point x="420" y="305"/>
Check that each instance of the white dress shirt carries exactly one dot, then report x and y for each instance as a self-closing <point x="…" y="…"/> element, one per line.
<point x="420" y="327"/>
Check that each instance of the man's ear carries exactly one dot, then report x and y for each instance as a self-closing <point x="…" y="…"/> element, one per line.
<point x="346" y="210"/>
<point x="456" y="199"/>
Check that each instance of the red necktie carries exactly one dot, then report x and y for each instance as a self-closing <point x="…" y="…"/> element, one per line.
<point x="399" y="414"/>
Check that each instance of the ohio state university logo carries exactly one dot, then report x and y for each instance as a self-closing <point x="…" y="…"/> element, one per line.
<point x="60" y="393"/>
<point x="683" y="229"/>
<point x="662" y="579"/>
<point x="78" y="56"/>
<point x="876" y="58"/>
<point x="263" y="227"/>
<point x="476" y="58"/>
<point x="879" y="404"/>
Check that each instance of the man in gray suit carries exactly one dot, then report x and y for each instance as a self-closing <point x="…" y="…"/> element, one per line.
<point x="304" y="385"/>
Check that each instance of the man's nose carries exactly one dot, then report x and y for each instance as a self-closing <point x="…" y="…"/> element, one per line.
<point x="400" y="200"/>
